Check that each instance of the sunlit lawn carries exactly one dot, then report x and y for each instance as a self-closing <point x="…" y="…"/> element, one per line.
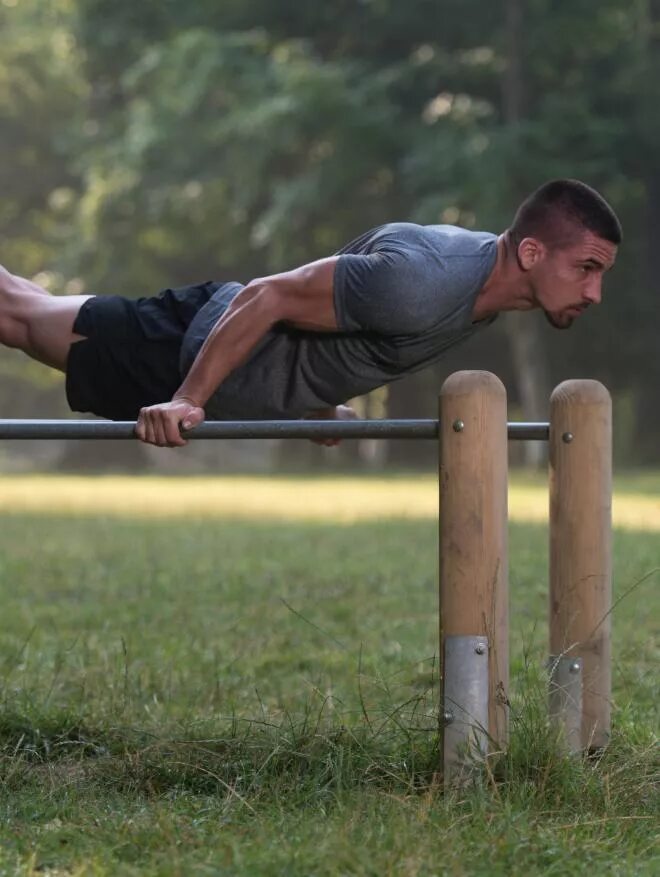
<point x="237" y="676"/>
<point x="342" y="499"/>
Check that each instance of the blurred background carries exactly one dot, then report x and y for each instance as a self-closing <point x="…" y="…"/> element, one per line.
<point x="155" y="144"/>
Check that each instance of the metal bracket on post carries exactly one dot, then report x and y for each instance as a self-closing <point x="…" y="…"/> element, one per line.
<point x="465" y="702"/>
<point x="565" y="699"/>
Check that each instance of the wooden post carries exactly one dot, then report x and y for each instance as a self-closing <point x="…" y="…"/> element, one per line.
<point x="473" y="554"/>
<point x="580" y="547"/>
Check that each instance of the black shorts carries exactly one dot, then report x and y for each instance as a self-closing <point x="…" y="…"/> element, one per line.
<point x="129" y="356"/>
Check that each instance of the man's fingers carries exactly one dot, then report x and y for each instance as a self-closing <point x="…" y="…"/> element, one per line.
<point x="163" y="430"/>
<point x="345" y="412"/>
<point x="160" y="438"/>
<point x="172" y="431"/>
<point x="148" y="428"/>
<point x="161" y="424"/>
<point x="166" y="427"/>
<point x="155" y="434"/>
<point x="193" y="418"/>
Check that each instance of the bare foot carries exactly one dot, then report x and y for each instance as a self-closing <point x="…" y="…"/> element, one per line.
<point x="341" y="412"/>
<point x="5" y="278"/>
<point x="13" y="283"/>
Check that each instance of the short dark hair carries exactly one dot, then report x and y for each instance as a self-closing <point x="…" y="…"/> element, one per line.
<point x="558" y="208"/>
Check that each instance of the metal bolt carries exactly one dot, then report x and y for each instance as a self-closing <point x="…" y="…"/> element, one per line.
<point x="567" y="437"/>
<point x="458" y="426"/>
<point x="575" y="667"/>
<point x="448" y="717"/>
<point x="480" y="648"/>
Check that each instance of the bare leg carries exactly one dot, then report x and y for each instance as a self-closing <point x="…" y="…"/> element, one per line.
<point x="36" y="322"/>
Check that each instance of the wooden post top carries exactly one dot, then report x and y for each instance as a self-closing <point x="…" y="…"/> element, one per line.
<point x="584" y="392"/>
<point x="464" y="382"/>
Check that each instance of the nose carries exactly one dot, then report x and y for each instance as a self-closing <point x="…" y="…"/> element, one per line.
<point x="593" y="294"/>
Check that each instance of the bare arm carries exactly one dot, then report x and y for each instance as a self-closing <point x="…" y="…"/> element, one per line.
<point x="302" y="297"/>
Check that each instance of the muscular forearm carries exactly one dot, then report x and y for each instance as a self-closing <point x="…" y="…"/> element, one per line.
<point x="303" y="298"/>
<point x="230" y="342"/>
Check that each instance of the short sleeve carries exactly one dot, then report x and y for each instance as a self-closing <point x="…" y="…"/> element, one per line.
<point x="385" y="292"/>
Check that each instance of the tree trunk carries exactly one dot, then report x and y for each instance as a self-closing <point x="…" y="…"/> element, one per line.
<point x="532" y="380"/>
<point x="411" y="398"/>
<point x="523" y="330"/>
<point x="648" y="410"/>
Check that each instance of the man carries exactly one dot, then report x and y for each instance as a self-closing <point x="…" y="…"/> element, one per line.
<point x="303" y="342"/>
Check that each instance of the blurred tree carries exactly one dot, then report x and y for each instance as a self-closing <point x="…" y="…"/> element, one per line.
<point x="646" y="162"/>
<point x="163" y="143"/>
<point x="251" y="136"/>
<point x="523" y="330"/>
<point x="569" y="107"/>
<point x="41" y="91"/>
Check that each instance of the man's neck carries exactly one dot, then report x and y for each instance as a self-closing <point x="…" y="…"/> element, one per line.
<point x="506" y="288"/>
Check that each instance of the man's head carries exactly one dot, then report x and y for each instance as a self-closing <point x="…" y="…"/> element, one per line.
<point x="565" y="236"/>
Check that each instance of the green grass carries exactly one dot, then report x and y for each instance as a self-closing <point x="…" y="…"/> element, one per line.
<point x="219" y="695"/>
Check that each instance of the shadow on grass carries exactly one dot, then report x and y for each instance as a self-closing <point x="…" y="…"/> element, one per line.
<point x="252" y="764"/>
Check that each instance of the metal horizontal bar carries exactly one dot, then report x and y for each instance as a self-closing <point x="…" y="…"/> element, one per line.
<point x="252" y="429"/>
<point x="522" y="431"/>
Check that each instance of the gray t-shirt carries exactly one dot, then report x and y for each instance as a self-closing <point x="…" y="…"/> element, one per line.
<point x="403" y="294"/>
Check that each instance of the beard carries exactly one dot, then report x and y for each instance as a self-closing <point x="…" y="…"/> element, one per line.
<point x="558" y="322"/>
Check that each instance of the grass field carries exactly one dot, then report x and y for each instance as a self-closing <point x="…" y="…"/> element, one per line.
<point x="237" y="676"/>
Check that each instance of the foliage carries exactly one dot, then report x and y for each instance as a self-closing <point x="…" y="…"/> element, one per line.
<point x="163" y="143"/>
<point x="41" y="97"/>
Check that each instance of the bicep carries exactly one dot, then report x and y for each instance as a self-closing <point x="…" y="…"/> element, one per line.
<point x="384" y="292"/>
<point x="305" y="296"/>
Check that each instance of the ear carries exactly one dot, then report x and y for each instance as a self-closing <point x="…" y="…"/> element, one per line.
<point x="530" y="252"/>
